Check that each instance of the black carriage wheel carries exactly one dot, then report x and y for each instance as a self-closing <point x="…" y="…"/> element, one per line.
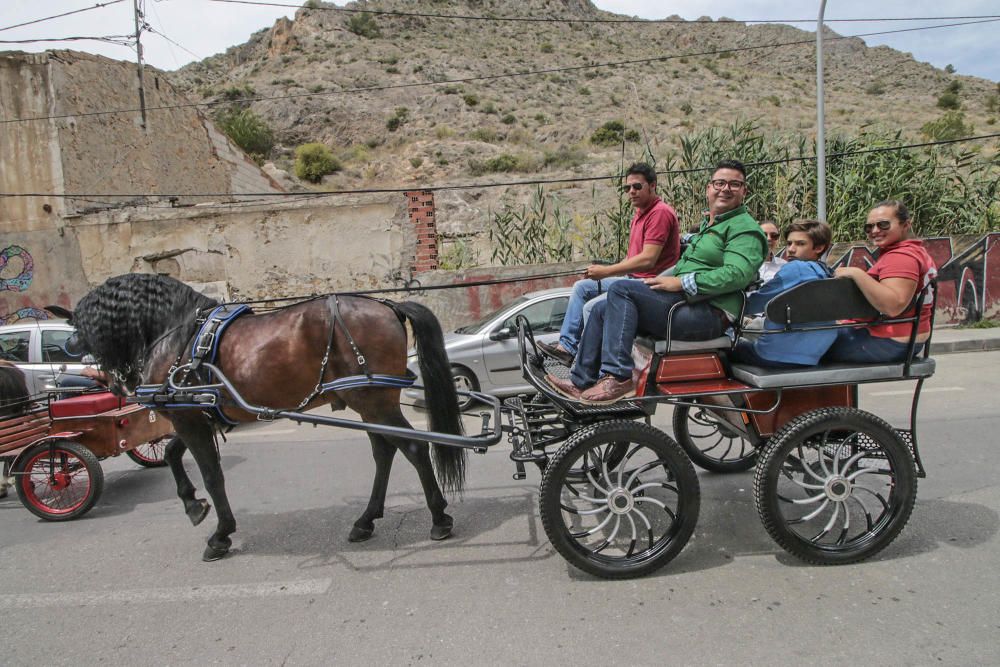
<point x="150" y="454"/>
<point x="710" y="442"/>
<point x="835" y="486"/>
<point x="465" y="380"/>
<point x="58" y="481"/>
<point x="628" y="516"/>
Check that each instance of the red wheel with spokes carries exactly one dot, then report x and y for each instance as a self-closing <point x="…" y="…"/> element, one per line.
<point x="59" y="480"/>
<point x="150" y="454"/>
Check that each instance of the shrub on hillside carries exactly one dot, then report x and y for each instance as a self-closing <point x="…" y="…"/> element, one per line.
<point x="609" y="134"/>
<point x="364" y="25"/>
<point x="248" y="131"/>
<point x="314" y="161"/>
<point x="949" y="100"/>
<point x="951" y="125"/>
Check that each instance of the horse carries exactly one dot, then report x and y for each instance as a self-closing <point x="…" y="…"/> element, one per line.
<point x="14" y="396"/>
<point x="139" y="326"/>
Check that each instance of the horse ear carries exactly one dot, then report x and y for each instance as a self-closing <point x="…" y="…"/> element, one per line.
<point x="59" y="311"/>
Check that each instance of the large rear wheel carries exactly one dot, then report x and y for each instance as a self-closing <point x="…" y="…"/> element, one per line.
<point x="58" y="481"/>
<point x="835" y="486"/>
<point x="711" y="442"/>
<point x="619" y="516"/>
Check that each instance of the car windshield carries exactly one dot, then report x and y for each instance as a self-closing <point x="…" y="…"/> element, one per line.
<point x="482" y="321"/>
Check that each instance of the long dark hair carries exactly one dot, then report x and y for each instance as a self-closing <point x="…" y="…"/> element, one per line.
<point x="120" y="320"/>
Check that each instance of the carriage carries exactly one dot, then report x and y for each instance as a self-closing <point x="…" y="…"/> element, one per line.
<point x="619" y="497"/>
<point x="51" y="450"/>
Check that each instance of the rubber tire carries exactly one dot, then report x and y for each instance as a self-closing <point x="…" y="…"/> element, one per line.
<point x="26" y="490"/>
<point x="903" y="495"/>
<point x="685" y="477"/>
<point x="149" y="462"/>
<point x="465" y="380"/>
<point x="695" y="453"/>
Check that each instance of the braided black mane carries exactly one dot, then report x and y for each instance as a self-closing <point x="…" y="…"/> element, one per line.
<point x="120" y="320"/>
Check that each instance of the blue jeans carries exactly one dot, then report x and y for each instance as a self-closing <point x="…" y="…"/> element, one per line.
<point x="858" y="346"/>
<point x="746" y="353"/>
<point x="578" y="310"/>
<point x="632" y="307"/>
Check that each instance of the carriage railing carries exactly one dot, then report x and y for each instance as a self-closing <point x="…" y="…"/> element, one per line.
<point x="173" y="394"/>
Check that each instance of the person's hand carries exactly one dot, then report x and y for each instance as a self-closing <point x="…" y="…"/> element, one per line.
<point x="665" y="283"/>
<point x="847" y="272"/>
<point x="596" y="271"/>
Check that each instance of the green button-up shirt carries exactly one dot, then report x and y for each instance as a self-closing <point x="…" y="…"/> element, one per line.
<point x="723" y="258"/>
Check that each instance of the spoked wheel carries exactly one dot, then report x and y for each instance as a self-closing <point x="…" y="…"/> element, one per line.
<point x="711" y="442"/>
<point x="835" y="486"/>
<point x="58" y="481"/>
<point x="150" y="454"/>
<point x="619" y="516"/>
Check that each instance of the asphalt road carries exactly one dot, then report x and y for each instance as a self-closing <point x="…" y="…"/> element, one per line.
<point x="125" y="584"/>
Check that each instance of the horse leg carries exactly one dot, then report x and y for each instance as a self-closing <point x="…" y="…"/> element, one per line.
<point x="418" y="453"/>
<point x="197" y="435"/>
<point x="383" y="453"/>
<point x="195" y="508"/>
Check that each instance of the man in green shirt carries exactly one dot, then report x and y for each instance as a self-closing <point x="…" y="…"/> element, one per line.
<point x="721" y="259"/>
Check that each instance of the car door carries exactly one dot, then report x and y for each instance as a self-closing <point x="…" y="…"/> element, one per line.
<point x="21" y="347"/>
<point x="53" y="353"/>
<point x="502" y="358"/>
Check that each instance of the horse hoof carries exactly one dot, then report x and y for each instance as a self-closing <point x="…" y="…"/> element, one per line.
<point x="213" y="553"/>
<point x="198" y="512"/>
<point x="442" y="532"/>
<point x="359" y="534"/>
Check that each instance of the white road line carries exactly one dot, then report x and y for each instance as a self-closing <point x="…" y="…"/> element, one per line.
<point x="909" y="392"/>
<point x="214" y="592"/>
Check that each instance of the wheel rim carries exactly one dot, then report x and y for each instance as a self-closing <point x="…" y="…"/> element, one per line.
<point x="153" y="451"/>
<point x="56" y="483"/>
<point x="838" y="489"/>
<point x="715" y="439"/>
<point x="620" y="511"/>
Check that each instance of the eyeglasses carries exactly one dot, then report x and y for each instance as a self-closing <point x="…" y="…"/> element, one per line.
<point x="720" y="184"/>
<point x="632" y="186"/>
<point x="774" y="236"/>
<point x="884" y="225"/>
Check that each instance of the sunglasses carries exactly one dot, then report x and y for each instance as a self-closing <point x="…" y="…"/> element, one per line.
<point x="884" y="225"/>
<point x="632" y="186"/>
<point x="774" y="236"/>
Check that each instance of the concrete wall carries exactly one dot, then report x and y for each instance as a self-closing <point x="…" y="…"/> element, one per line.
<point x="179" y="151"/>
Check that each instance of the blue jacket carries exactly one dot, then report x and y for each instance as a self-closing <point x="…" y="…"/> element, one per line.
<point x="803" y="348"/>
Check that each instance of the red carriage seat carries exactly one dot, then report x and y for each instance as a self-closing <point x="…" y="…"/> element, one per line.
<point x="85" y="404"/>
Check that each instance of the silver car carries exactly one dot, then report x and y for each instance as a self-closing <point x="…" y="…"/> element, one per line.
<point x="37" y="348"/>
<point x="484" y="355"/>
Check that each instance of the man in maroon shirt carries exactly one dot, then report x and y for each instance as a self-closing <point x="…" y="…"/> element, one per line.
<point x="653" y="247"/>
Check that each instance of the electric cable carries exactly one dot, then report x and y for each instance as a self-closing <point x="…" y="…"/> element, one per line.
<point x="49" y="18"/>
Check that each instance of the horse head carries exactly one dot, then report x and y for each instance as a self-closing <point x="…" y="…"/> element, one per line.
<point x="122" y="320"/>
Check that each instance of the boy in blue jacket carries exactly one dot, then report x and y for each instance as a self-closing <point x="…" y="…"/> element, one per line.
<point x="806" y="240"/>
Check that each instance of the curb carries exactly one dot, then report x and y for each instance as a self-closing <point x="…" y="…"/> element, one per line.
<point x="966" y="345"/>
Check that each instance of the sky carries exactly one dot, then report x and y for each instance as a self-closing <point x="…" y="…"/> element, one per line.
<point x="188" y="30"/>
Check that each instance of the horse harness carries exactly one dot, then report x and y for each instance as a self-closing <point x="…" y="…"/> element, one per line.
<point x="204" y="350"/>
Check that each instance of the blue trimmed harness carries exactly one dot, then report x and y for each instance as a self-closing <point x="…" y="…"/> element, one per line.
<point x="205" y="348"/>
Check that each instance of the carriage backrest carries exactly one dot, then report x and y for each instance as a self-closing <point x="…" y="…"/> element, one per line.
<point x="821" y="301"/>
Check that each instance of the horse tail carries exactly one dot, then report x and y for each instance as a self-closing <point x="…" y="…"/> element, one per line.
<point x="442" y="401"/>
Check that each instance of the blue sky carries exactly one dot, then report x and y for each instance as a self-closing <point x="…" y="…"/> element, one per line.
<point x="201" y="28"/>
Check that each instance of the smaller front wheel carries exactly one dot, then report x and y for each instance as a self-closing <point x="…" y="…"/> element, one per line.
<point x="150" y="454"/>
<point x="58" y="481"/>
<point x="712" y="443"/>
<point x="619" y="499"/>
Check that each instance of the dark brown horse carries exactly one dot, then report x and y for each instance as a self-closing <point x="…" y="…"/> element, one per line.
<point x="138" y="325"/>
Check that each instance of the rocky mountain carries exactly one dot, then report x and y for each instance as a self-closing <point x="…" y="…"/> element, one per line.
<point x="673" y="78"/>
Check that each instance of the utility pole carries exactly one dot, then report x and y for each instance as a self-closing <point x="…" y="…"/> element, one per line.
<point x="138" y="51"/>
<point x="820" y="130"/>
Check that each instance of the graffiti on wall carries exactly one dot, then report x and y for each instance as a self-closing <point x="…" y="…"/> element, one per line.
<point x="17" y="268"/>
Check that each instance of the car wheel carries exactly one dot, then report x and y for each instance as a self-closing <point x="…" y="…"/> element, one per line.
<point x="465" y="380"/>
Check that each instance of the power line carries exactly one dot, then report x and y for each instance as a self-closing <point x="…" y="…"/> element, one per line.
<point x="548" y="19"/>
<point x="75" y="11"/>
<point x="489" y="77"/>
<point x="483" y="186"/>
<point x="121" y="40"/>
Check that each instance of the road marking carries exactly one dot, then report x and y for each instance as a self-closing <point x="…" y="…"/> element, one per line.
<point x="909" y="392"/>
<point x="214" y="592"/>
